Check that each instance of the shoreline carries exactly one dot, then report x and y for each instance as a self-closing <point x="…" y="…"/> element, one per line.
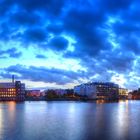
<point x="76" y="100"/>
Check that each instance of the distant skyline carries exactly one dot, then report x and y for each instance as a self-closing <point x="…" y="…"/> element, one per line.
<point x="63" y="43"/>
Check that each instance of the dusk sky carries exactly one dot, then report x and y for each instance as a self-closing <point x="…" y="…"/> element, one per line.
<point x="63" y="43"/>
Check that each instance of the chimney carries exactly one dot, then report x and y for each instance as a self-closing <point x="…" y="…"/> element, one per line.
<point x="13" y="79"/>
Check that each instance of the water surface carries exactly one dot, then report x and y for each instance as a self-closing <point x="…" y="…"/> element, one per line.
<point x="60" y="120"/>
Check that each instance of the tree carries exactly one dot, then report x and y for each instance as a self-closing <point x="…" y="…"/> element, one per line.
<point x="51" y="94"/>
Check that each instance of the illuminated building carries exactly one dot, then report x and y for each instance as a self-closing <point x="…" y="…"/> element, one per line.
<point x="12" y="91"/>
<point x="123" y="93"/>
<point x="98" y="90"/>
<point x="107" y="90"/>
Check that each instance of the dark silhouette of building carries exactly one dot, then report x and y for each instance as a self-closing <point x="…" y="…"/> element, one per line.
<point x="134" y="95"/>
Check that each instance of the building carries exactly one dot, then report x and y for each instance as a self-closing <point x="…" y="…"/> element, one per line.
<point x="12" y="91"/>
<point x="123" y="93"/>
<point x="98" y="90"/>
<point x="20" y="90"/>
<point x="33" y="93"/>
<point x="107" y="90"/>
<point x="134" y="95"/>
<point x="86" y="90"/>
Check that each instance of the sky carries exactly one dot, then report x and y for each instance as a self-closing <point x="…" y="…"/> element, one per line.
<point x="63" y="43"/>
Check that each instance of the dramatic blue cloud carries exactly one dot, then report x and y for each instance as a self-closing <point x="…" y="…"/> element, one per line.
<point x="40" y="56"/>
<point x="58" y="43"/>
<point x="12" y="52"/>
<point x="92" y="40"/>
<point x="51" y="75"/>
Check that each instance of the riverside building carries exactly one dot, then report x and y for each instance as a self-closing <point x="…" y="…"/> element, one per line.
<point x="98" y="90"/>
<point x="123" y="93"/>
<point x="12" y="91"/>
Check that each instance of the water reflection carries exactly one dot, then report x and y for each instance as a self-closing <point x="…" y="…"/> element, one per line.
<point x="70" y="120"/>
<point x="1" y="124"/>
<point x="11" y="110"/>
<point x="120" y="120"/>
<point x="101" y="101"/>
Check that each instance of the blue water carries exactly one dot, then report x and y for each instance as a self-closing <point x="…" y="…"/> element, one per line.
<point x="70" y="121"/>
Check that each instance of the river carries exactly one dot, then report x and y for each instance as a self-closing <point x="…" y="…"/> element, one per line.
<point x="61" y="120"/>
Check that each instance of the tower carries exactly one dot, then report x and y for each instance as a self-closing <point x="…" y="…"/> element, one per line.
<point x="13" y="79"/>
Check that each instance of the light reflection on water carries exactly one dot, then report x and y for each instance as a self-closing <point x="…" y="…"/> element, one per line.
<point x="1" y="124"/>
<point x="70" y="120"/>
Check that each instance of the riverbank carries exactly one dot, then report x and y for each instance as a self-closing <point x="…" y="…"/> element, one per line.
<point x="74" y="99"/>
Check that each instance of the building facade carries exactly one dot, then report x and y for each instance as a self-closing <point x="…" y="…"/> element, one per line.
<point x="107" y="90"/>
<point x="14" y="91"/>
<point x="123" y="93"/>
<point x="34" y="93"/>
<point x="86" y="90"/>
<point x="98" y="90"/>
<point x="134" y="95"/>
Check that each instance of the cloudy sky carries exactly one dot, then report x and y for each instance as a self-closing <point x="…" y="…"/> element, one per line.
<point x="62" y="43"/>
